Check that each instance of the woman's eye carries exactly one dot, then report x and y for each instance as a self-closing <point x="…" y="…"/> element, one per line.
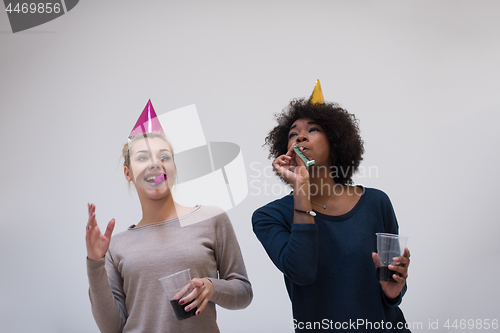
<point x="314" y="129"/>
<point x="165" y="158"/>
<point x="142" y="158"/>
<point x="291" y="135"/>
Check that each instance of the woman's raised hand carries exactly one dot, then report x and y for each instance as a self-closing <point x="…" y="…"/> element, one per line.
<point x="292" y="169"/>
<point x="97" y="243"/>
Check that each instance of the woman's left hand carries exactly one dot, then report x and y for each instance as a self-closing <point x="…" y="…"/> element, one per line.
<point x="391" y="289"/>
<point x="202" y="293"/>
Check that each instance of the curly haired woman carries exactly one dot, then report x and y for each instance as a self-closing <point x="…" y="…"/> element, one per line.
<point x="322" y="235"/>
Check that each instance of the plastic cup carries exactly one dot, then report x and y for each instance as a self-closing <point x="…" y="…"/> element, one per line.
<point x="177" y="286"/>
<point x="388" y="247"/>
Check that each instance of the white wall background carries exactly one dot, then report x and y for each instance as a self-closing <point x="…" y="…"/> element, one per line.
<point x="422" y="77"/>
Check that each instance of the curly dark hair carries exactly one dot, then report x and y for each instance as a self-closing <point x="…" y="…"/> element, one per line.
<point x="341" y="128"/>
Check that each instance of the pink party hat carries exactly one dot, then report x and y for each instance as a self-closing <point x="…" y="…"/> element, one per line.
<point x="147" y="123"/>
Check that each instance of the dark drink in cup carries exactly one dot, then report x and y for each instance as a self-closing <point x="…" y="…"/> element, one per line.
<point x="389" y="246"/>
<point x="177" y="286"/>
<point x="385" y="274"/>
<point x="180" y="313"/>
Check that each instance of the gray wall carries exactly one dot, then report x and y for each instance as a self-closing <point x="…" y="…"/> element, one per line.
<point x="422" y="77"/>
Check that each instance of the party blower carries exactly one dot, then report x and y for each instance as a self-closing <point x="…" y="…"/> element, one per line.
<point x="303" y="157"/>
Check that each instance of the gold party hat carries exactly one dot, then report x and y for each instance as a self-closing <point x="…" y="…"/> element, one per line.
<point x="317" y="95"/>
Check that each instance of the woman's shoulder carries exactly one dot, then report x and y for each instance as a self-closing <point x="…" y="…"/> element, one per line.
<point x="215" y="218"/>
<point x="285" y="202"/>
<point x="122" y="234"/>
<point x="212" y="210"/>
<point x="121" y="241"/>
<point x="377" y="199"/>
<point x="211" y="215"/>
<point x="375" y="194"/>
<point x="281" y="208"/>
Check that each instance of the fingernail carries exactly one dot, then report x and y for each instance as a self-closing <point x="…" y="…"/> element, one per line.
<point x="198" y="312"/>
<point x="391" y="267"/>
<point x="187" y="308"/>
<point x="181" y="302"/>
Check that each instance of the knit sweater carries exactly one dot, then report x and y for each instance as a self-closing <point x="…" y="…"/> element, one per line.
<point x="126" y="295"/>
<point x="328" y="267"/>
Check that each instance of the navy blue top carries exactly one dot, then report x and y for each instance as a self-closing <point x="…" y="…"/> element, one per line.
<point x="328" y="267"/>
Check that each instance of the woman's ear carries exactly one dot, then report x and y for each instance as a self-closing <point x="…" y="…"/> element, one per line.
<point x="128" y="173"/>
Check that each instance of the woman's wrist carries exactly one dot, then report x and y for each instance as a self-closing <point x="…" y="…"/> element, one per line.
<point x="94" y="258"/>
<point x="301" y="197"/>
<point x="309" y="212"/>
<point x="302" y="204"/>
<point x="392" y="300"/>
<point x="301" y="188"/>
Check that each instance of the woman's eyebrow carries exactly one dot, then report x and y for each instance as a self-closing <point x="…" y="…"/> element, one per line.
<point x="146" y="151"/>
<point x="309" y="123"/>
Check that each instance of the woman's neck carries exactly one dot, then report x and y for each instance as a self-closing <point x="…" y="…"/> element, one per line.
<point x="322" y="186"/>
<point x="157" y="210"/>
<point x="335" y="198"/>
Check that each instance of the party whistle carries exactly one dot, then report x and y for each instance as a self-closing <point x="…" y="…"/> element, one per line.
<point x="159" y="179"/>
<point x="304" y="159"/>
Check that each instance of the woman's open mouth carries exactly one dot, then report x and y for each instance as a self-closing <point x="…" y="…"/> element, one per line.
<point x="155" y="179"/>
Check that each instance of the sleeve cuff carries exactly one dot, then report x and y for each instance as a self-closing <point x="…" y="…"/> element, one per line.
<point x="219" y="294"/>
<point x="392" y="302"/>
<point x="229" y="296"/>
<point x="93" y="265"/>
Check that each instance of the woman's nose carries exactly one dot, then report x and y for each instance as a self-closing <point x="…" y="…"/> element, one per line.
<point x="155" y="165"/>
<point x="301" y="138"/>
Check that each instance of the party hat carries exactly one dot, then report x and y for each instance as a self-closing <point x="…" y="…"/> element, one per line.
<point x="317" y="95"/>
<point x="147" y="123"/>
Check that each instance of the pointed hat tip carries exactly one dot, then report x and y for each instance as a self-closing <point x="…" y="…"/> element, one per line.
<point x="317" y="94"/>
<point x="148" y="122"/>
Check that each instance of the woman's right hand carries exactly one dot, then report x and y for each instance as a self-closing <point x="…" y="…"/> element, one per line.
<point x="97" y="243"/>
<point x="292" y="169"/>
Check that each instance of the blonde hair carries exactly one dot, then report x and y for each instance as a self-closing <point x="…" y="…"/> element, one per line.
<point x="128" y="146"/>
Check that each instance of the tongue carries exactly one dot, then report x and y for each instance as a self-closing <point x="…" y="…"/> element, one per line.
<point x="159" y="179"/>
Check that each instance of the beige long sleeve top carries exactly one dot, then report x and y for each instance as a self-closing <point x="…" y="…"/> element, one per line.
<point x="126" y="295"/>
